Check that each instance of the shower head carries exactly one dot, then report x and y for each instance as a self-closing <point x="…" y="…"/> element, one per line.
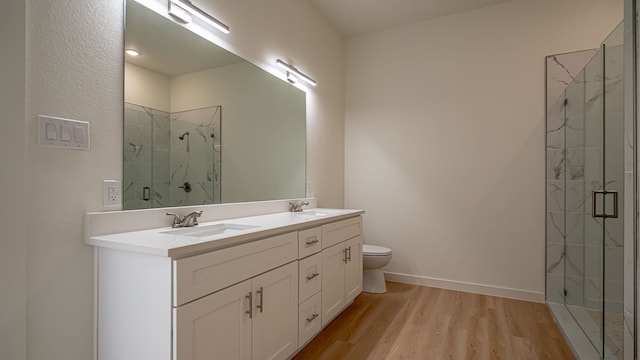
<point x="181" y="137"/>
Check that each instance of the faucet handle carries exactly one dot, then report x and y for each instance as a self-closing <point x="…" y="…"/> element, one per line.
<point x="177" y="220"/>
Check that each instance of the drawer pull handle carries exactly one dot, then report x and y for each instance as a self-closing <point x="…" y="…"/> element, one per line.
<point x="313" y="317"/>
<point x="312" y="276"/>
<point x="311" y="242"/>
<point x="250" y="311"/>
<point x="349" y="253"/>
<point x="345" y="259"/>
<point x="261" y="305"/>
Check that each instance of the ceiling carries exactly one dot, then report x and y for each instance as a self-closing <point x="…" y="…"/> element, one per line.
<point x="353" y="17"/>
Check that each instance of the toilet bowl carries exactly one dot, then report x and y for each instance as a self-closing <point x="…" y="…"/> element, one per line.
<point x="374" y="258"/>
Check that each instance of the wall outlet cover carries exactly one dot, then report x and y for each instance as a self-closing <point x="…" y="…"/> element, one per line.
<point x="111" y="193"/>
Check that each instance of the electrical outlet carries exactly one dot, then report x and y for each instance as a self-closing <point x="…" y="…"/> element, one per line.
<point x="111" y="194"/>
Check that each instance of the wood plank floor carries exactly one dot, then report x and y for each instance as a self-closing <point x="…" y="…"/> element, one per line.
<point x="415" y="322"/>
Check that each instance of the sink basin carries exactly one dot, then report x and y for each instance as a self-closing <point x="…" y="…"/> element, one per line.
<point x="209" y="230"/>
<point x="317" y="213"/>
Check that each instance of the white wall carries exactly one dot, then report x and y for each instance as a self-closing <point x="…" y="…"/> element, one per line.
<point x="13" y="247"/>
<point x="147" y="88"/>
<point x="74" y="69"/>
<point x="263" y="134"/>
<point x="445" y="139"/>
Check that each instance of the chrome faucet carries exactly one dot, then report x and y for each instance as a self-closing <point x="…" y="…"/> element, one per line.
<point x="189" y="220"/>
<point x="297" y="205"/>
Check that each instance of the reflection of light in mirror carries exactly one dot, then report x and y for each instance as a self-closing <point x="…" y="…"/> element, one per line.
<point x="188" y="5"/>
<point x="132" y="52"/>
<point x="179" y="13"/>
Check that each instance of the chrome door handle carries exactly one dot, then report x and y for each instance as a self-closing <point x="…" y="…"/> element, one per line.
<point x="250" y="311"/>
<point x="261" y="305"/>
<point x="310" y="277"/>
<point x="313" y="317"/>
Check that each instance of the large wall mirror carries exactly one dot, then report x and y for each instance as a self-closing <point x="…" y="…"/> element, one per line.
<point x="203" y="126"/>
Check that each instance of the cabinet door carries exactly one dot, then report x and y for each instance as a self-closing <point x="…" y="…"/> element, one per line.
<point x="275" y="309"/>
<point x="353" y="269"/>
<point x="333" y="264"/>
<point x="217" y="326"/>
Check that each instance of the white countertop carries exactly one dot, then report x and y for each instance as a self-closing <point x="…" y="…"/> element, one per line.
<point x="158" y="242"/>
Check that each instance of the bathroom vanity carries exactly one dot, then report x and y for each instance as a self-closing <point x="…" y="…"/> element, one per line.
<point x="256" y="287"/>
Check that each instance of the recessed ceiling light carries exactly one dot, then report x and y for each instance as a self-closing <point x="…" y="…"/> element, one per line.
<point x="132" y="52"/>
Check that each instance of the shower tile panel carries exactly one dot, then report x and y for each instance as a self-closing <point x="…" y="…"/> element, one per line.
<point x="555" y="228"/>
<point x="574" y="227"/>
<point x="555" y="259"/>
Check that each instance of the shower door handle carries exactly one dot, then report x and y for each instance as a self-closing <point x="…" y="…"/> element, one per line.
<point x="594" y="204"/>
<point x="615" y="204"/>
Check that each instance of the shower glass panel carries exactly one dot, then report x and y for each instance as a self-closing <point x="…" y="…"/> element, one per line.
<point x="593" y="170"/>
<point x="171" y="159"/>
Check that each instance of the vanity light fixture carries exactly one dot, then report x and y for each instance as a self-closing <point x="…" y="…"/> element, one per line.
<point x="178" y="13"/>
<point x="132" y="52"/>
<point x="188" y="7"/>
<point x="293" y="74"/>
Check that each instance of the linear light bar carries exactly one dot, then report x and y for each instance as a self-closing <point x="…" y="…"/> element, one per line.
<point x="291" y="69"/>
<point x="196" y="11"/>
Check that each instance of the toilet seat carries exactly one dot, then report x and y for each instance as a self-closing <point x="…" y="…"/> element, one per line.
<point x="375" y="250"/>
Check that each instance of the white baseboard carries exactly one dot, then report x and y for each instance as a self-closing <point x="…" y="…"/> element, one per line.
<point x="466" y="287"/>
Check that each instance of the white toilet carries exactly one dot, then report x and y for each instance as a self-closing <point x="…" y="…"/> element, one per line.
<point x="374" y="258"/>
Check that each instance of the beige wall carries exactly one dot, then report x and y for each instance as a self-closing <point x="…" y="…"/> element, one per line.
<point x="445" y="138"/>
<point x="13" y="259"/>
<point x="74" y="69"/>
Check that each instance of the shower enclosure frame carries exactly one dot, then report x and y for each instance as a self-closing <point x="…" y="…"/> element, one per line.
<point x="565" y="319"/>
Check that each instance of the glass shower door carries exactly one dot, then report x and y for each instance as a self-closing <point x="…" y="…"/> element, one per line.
<point x="613" y="230"/>
<point x="594" y="178"/>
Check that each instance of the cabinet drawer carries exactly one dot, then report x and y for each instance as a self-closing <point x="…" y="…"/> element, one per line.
<point x="309" y="242"/>
<point x="310" y="279"/>
<point x="340" y="231"/>
<point x="309" y="319"/>
<point x="203" y="274"/>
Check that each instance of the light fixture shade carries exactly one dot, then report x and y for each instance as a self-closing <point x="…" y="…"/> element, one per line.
<point x="201" y="14"/>
<point x="297" y="72"/>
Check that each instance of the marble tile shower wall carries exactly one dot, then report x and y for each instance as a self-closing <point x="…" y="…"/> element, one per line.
<point x="195" y="159"/>
<point x="159" y="165"/>
<point x="562" y="162"/>
<point x="146" y="157"/>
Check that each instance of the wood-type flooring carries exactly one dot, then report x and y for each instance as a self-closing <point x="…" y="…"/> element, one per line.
<point x="421" y="323"/>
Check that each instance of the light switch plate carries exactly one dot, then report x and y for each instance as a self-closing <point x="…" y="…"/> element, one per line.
<point x="63" y="133"/>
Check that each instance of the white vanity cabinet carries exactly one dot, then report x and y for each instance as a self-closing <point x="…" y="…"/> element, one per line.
<point x="342" y="266"/>
<point x="256" y="319"/>
<point x="261" y="299"/>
